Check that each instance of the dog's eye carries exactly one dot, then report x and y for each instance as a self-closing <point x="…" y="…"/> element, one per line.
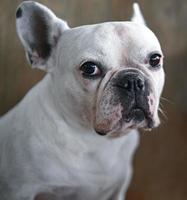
<point x="90" y="69"/>
<point x="154" y="60"/>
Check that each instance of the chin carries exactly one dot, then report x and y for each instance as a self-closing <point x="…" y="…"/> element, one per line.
<point x="138" y="120"/>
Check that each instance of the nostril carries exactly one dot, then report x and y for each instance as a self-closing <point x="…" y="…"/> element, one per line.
<point x="127" y="85"/>
<point x="130" y="82"/>
<point x="140" y="84"/>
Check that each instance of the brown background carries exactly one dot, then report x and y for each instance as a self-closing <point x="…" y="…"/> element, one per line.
<point x="161" y="161"/>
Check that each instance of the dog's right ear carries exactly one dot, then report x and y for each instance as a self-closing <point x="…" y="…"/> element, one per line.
<point x="39" y="31"/>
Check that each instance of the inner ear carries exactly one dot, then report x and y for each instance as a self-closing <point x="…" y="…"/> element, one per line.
<point x="39" y="30"/>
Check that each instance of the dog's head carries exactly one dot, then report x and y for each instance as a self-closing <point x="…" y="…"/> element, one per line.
<point x="106" y="76"/>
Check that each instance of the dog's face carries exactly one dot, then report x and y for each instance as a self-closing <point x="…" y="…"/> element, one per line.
<point x="107" y="76"/>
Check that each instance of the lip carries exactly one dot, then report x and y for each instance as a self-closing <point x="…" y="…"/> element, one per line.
<point x="102" y="133"/>
<point x="136" y="114"/>
<point x="124" y="126"/>
<point x="135" y="118"/>
<point x="109" y="131"/>
<point x="139" y="115"/>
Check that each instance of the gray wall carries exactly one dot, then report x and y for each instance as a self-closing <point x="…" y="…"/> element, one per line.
<point x="161" y="160"/>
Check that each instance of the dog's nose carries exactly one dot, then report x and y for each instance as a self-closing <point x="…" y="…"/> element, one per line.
<point x="131" y="82"/>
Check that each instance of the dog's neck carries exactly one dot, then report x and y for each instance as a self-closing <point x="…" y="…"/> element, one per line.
<point x="60" y="120"/>
<point x="52" y="105"/>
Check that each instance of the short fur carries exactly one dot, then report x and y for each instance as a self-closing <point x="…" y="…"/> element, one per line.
<point x="49" y="148"/>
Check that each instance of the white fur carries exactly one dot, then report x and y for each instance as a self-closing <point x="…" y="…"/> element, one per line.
<point x="137" y="14"/>
<point x="48" y="143"/>
<point x="40" y="152"/>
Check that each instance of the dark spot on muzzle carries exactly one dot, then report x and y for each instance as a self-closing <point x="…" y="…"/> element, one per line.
<point x="19" y="13"/>
<point x="133" y="90"/>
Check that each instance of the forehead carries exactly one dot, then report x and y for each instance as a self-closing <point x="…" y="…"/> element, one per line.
<point x="113" y="40"/>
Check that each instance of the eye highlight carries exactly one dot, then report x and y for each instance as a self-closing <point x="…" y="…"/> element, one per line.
<point x="90" y="70"/>
<point x="154" y="60"/>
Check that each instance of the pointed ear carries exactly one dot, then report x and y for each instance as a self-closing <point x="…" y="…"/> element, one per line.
<point x="137" y="14"/>
<point x="39" y="31"/>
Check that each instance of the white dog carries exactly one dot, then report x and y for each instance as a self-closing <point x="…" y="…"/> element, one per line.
<point x="104" y="79"/>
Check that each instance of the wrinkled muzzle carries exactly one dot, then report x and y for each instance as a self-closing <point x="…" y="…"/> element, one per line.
<point x="127" y="101"/>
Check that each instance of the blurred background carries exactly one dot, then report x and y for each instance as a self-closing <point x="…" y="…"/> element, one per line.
<point x="160" y="165"/>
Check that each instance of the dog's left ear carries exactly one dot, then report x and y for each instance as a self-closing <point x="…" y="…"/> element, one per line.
<point x="39" y="31"/>
<point x="137" y="14"/>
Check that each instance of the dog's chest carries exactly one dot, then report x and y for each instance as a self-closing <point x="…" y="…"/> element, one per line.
<point x="89" y="178"/>
<point x="93" y="172"/>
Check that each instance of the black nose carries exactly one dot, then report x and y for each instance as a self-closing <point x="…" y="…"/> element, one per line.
<point x="131" y="82"/>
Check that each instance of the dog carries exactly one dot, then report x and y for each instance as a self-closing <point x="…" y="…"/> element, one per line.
<point x="73" y="136"/>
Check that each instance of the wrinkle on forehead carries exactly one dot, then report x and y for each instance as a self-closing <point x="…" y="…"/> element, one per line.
<point x="98" y="42"/>
<point x="113" y="44"/>
<point x="140" y="34"/>
<point x="129" y="34"/>
<point x="137" y="42"/>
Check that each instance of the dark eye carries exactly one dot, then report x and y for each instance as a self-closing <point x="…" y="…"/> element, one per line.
<point x="154" y="60"/>
<point x="90" y="70"/>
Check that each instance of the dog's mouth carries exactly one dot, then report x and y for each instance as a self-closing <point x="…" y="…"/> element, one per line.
<point x="127" y="102"/>
<point x="136" y="114"/>
<point x="136" y="117"/>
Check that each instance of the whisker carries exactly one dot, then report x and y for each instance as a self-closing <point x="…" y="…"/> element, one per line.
<point x="167" y="100"/>
<point x="163" y="113"/>
<point x="161" y="105"/>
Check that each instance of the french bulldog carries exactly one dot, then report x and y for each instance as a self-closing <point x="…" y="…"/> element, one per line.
<point x="73" y="136"/>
